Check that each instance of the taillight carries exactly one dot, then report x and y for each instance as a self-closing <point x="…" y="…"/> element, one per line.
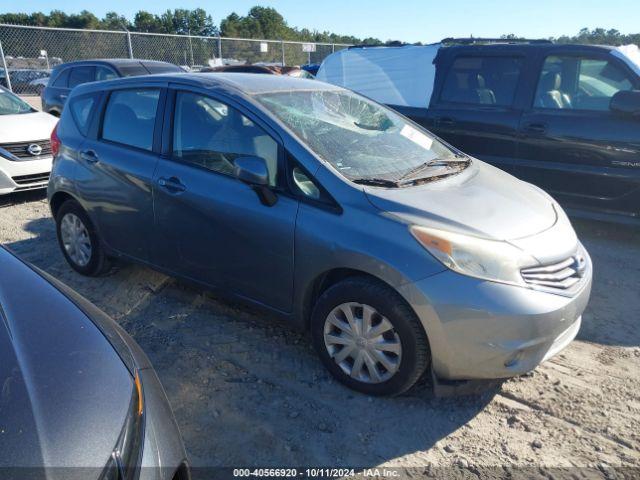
<point x="55" y="141"/>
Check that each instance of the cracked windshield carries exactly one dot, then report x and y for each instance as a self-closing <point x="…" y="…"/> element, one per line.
<point x="364" y="141"/>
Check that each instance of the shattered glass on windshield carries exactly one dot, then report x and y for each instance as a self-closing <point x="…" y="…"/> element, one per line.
<point x="360" y="138"/>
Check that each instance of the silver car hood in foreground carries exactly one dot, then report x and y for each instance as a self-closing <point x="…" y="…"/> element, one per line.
<point x="65" y="392"/>
<point x="482" y="201"/>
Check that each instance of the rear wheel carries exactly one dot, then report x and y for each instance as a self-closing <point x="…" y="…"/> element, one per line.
<point x="79" y="241"/>
<point x="369" y="338"/>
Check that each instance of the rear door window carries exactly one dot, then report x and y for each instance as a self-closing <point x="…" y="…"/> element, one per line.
<point x="80" y="75"/>
<point x="129" y="117"/>
<point x="482" y="81"/>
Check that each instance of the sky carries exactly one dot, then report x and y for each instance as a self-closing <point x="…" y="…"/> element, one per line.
<point x="405" y="20"/>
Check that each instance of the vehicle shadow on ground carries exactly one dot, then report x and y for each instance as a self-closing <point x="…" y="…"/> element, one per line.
<point x="22" y="197"/>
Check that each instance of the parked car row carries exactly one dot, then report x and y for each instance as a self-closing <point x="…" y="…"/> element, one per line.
<point x="25" y="81"/>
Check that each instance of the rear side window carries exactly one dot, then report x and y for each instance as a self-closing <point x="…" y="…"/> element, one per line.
<point x="80" y="75"/>
<point x="482" y="81"/>
<point x="129" y="117"/>
<point x="81" y="108"/>
<point x="62" y="79"/>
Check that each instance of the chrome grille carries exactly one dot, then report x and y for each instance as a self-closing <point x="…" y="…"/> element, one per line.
<point x="21" y="149"/>
<point x="562" y="275"/>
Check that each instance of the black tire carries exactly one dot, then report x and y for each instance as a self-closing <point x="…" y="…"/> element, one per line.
<point x="98" y="263"/>
<point x="415" y="346"/>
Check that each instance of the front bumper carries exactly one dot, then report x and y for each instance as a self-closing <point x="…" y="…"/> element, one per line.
<point x="24" y="175"/>
<point x="486" y="330"/>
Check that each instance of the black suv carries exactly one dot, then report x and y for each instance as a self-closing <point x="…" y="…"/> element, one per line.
<point x="563" y="117"/>
<point x="68" y="75"/>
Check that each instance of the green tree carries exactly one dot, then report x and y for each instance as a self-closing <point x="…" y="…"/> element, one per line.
<point x="114" y="21"/>
<point x="147" y="22"/>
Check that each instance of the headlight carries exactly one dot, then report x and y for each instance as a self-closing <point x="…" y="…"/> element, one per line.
<point x="124" y="463"/>
<point x="475" y="257"/>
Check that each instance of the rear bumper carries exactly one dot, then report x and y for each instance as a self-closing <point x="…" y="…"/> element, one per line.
<point x="486" y="330"/>
<point x="24" y="175"/>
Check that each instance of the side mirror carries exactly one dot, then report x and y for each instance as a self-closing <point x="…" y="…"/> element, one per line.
<point x="251" y="170"/>
<point x="626" y="102"/>
<point x="254" y="172"/>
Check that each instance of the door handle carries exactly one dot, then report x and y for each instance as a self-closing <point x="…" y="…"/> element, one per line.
<point x="537" y="128"/>
<point x="173" y="184"/>
<point x="445" y="121"/>
<point x="89" y="156"/>
<point x="63" y="96"/>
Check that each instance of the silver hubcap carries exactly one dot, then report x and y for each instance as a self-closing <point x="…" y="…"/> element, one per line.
<point x="362" y="342"/>
<point x="75" y="239"/>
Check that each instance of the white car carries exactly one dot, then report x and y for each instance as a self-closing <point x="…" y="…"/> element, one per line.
<point x="25" y="146"/>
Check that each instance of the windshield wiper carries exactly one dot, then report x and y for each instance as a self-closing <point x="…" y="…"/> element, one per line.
<point x="437" y="162"/>
<point x="376" y="182"/>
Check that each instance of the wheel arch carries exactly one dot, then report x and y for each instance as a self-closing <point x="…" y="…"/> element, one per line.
<point x="324" y="281"/>
<point x="57" y="199"/>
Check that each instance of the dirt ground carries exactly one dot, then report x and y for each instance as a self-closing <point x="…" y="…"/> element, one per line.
<point x="247" y="391"/>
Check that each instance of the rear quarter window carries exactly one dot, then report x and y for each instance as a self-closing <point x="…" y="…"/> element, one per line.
<point x="81" y="111"/>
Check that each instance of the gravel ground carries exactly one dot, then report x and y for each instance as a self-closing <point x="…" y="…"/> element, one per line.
<point x="247" y="391"/>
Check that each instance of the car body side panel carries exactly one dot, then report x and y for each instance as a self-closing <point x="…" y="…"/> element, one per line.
<point x="362" y="238"/>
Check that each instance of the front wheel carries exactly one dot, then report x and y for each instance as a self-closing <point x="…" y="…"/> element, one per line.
<point x="369" y="338"/>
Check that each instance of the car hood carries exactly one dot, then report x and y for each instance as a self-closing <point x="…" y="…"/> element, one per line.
<point x="26" y="127"/>
<point x="65" y="392"/>
<point x="482" y="201"/>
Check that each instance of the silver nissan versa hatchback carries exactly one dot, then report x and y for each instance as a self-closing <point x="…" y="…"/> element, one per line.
<point x="396" y="251"/>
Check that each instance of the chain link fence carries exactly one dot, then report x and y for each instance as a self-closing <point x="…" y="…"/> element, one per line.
<point x="27" y="54"/>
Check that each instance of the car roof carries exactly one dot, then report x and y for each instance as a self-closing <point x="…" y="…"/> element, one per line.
<point x="115" y="62"/>
<point x="547" y="47"/>
<point x="248" y="83"/>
